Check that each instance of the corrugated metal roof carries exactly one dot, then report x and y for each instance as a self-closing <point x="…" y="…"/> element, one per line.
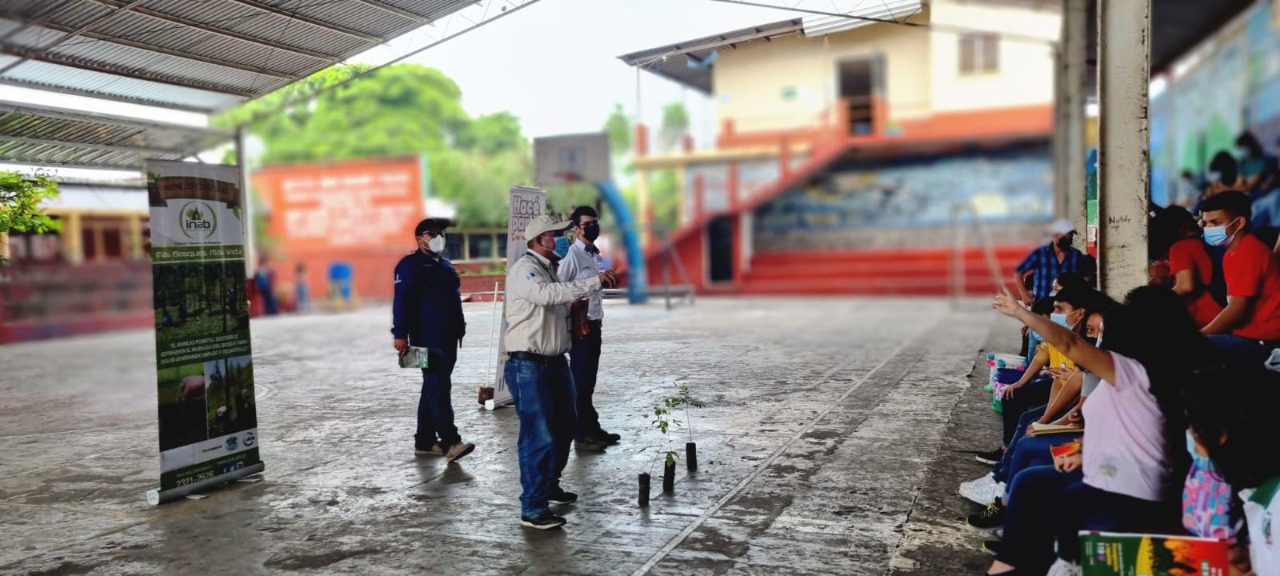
<point x="50" y="135"/>
<point x="194" y="54"/>
<point x="689" y="63"/>
<point x="858" y="13"/>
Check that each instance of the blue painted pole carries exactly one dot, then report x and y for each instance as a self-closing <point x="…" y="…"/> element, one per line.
<point x="637" y="280"/>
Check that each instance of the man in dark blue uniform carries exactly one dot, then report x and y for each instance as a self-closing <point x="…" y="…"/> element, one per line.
<point x="427" y="313"/>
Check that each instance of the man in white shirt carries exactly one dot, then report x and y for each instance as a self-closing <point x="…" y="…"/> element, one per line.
<point x="536" y="372"/>
<point x="583" y="261"/>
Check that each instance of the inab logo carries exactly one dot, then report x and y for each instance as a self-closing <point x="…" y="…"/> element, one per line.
<point x="198" y="221"/>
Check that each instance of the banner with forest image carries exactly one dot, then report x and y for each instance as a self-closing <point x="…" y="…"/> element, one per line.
<point x="204" y="364"/>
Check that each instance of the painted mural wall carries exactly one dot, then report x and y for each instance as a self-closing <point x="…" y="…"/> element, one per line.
<point x="841" y="208"/>
<point x="1232" y="84"/>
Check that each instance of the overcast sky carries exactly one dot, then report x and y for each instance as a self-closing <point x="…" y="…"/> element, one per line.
<point x="555" y="63"/>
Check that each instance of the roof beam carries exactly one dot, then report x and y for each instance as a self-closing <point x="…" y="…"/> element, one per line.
<point x="28" y="54"/>
<point x="263" y="42"/>
<point x="88" y="146"/>
<point x="96" y="118"/>
<point x="397" y="11"/>
<point x="8" y="81"/>
<point x="256" y="5"/>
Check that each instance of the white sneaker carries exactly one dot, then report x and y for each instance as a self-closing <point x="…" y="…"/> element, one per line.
<point x="1063" y="568"/>
<point x="999" y="490"/>
<point x="980" y="491"/>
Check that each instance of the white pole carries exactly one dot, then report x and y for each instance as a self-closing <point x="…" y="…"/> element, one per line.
<point x="493" y="326"/>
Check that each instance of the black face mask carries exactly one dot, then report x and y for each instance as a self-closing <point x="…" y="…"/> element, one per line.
<point x="1064" y="242"/>
<point x="591" y="231"/>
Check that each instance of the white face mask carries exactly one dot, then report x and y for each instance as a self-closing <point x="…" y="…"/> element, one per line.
<point x="436" y="245"/>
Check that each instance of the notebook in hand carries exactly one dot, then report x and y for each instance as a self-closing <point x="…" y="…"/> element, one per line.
<point x="1038" y="429"/>
<point x="414" y="357"/>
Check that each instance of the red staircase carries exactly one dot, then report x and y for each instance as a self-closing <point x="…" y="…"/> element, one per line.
<point x="900" y="272"/>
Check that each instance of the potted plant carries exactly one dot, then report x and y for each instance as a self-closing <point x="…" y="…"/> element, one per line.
<point x="663" y="421"/>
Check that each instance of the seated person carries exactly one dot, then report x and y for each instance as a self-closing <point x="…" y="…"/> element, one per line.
<point x="1128" y="476"/>
<point x="1190" y="265"/>
<point x="1030" y="451"/>
<point x="1231" y="416"/>
<point x="1249" y="327"/>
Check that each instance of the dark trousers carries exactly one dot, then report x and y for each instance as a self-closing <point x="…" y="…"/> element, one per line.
<point x="1087" y="508"/>
<point x="435" y="406"/>
<point x="1033" y="518"/>
<point x="1236" y="351"/>
<point x="1035" y="393"/>
<point x="544" y="397"/>
<point x="584" y="363"/>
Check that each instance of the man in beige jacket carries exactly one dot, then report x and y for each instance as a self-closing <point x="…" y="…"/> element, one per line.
<point x="537" y="373"/>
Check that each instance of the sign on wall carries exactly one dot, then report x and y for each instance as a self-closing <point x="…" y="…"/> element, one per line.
<point x="204" y="362"/>
<point x="526" y="204"/>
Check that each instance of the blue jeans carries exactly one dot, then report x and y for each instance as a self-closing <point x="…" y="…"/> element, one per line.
<point x="435" y="407"/>
<point x="1237" y="351"/>
<point x="1005" y="471"/>
<point x="1034" y="518"/>
<point x="545" y="399"/>
<point x="584" y="362"/>
<point x="1006" y="462"/>
<point x="1033" y="451"/>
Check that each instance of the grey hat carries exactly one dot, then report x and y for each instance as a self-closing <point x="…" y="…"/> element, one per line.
<point x="543" y="223"/>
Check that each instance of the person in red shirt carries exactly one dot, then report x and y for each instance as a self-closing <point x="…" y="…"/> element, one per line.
<point x="1248" y="329"/>
<point x="1190" y="265"/>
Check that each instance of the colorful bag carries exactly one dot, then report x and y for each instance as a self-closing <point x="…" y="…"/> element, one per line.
<point x="1206" y="505"/>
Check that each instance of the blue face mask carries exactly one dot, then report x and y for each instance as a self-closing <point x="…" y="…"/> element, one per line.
<point x="1201" y="462"/>
<point x="1217" y="236"/>
<point x="1060" y="319"/>
<point x="562" y="246"/>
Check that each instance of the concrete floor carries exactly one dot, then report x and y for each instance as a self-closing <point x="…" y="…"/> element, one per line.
<point x="829" y="445"/>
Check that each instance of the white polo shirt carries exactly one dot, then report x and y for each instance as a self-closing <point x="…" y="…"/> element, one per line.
<point x="579" y="264"/>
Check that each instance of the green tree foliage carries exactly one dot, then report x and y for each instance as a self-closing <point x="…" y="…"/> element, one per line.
<point x="20" y="199"/>
<point x="618" y="126"/>
<point x="675" y="124"/>
<point x="405" y="109"/>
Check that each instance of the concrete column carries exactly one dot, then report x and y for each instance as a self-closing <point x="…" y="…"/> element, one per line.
<point x="642" y="188"/>
<point x="135" y="237"/>
<point x="1059" y="132"/>
<point x="1075" y="15"/>
<point x="71" y="236"/>
<point x="1124" y="33"/>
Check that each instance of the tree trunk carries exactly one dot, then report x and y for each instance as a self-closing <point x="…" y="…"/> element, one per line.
<point x="4" y="246"/>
